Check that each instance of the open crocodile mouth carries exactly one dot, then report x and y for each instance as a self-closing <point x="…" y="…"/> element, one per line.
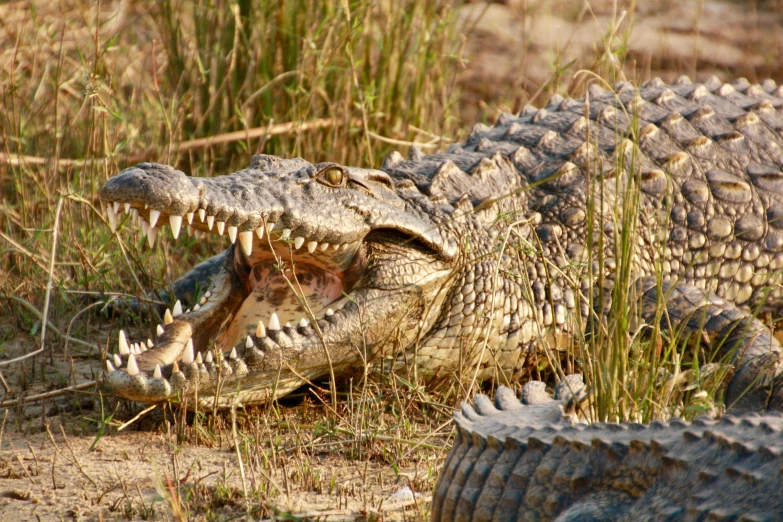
<point x="287" y="291"/>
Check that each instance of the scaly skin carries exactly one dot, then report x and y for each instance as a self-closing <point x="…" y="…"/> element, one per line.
<point x="527" y="460"/>
<point x="465" y="260"/>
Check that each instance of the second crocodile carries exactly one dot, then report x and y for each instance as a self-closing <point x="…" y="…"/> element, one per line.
<point x="467" y="260"/>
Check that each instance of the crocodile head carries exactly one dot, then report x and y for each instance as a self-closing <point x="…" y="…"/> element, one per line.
<point x="327" y="264"/>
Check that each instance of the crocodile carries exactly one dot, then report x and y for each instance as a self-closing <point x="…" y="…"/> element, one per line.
<point x="528" y="460"/>
<point x="468" y="260"/>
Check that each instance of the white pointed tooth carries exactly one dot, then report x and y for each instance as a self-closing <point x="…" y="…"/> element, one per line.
<point x="208" y="358"/>
<point x="187" y="311"/>
<point x="146" y="206"/>
<point x="260" y="232"/>
<point x="156" y="372"/>
<point x="249" y="342"/>
<point x="167" y="317"/>
<point x="112" y="217"/>
<point x="199" y="359"/>
<point x="152" y="233"/>
<point x="150" y="343"/>
<point x="335" y="247"/>
<point x="208" y="294"/>
<point x="345" y="245"/>
<point x="144" y="225"/>
<point x="311" y="246"/>
<point x="303" y="323"/>
<point x="298" y="242"/>
<point x="109" y="366"/>
<point x="189" y="217"/>
<point x="176" y="225"/>
<point x="210" y="222"/>
<point x="188" y="356"/>
<point x="246" y="240"/>
<point x="324" y="246"/>
<point x="233" y="354"/>
<point x="154" y="215"/>
<point x="127" y="207"/>
<point x="329" y="311"/>
<point x="116" y="207"/>
<point x="203" y="300"/>
<point x="202" y="213"/>
<point x="117" y="360"/>
<point x="133" y="368"/>
<point x="197" y="307"/>
<point x="134" y="349"/>
<point x="135" y="216"/>
<point x="232" y="233"/>
<point x="260" y="330"/>
<point x="221" y="227"/>
<point x="287" y="324"/>
<point x="124" y="348"/>
<point x="285" y="234"/>
<point x="142" y="347"/>
<point x="274" y="322"/>
<point x="159" y="330"/>
<point x="269" y="227"/>
<point x="177" y="310"/>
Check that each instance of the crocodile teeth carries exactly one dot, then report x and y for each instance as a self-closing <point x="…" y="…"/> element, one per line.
<point x="176" y="225"/>
<point x="149" y="343"/>
<point x="109" y="366"/>
<point x="285" y="234"/>
<point x="117" y="360"/>
<point x="116" y="207"/>
<point x="189" y="217"/>
<point x="167" y="318"/>
<point x="221" y="227"/>
<point x="208" y="358"/>
<point x="133" y="368"/>
<point x="246" y="240"/>
<point x="260" y="232"/>
<point x="274" y="322"/>
<point x="188" y="356"/>
<point x="152" y="233"/>
<point x="233" y="354"/>
<point x="190" y="230"/>
<point x="298" y="242"/>
<point x="210" y="222"/>
<point x="197" y="307"/>
<point x="311" y="246"/>
<point x="124" y="349"/>
<point x="232" y="233"/>
<point x="303" y="323"/>
<point x="177" y="311"/>
<point x="249" y="342"/>
<point x="324" y="246"/>
<point x="203" y="300"/>
<point x="127" y="207"/>
<point x="336" y="247"/>
<point x="329" y="311"/>
<point x="159" y="330"/>
<point x="260" y="330"/>
<point x="208" y="294"/>
<point x="154" y="215"/>
<point x="202" y="213"/>
<point x="112" y="217"/>
<point x="156" y="373"/>
<point x="174" y="368"/>
<point x="199" y="359"/>
<point x="144" y="225"/>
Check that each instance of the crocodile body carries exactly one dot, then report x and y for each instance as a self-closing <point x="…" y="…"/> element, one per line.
<point x="516" y="461"/>
<point x="466" y="260"/>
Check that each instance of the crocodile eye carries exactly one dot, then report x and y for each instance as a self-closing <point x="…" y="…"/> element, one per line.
<point x="332" y="176"/>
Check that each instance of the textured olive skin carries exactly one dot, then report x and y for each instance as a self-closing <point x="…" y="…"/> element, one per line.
<point x="471" y="257"/>
<point x="526" y="460"/>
